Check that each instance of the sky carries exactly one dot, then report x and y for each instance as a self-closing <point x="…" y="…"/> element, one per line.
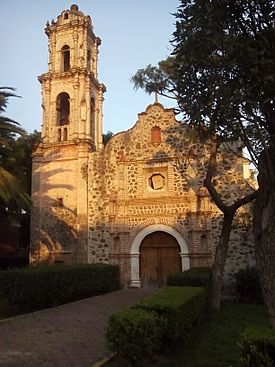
<point x="134" y="33"/>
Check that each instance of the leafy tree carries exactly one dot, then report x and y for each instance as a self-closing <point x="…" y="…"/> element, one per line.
<point x="10" y="190"/>
<point x="231" y="71"/>
<point x="222" y="73"/>
<point x="107" y="136"/>
<point x="22" y="149"/>
<point x="15" y="172"/>
<point x="163" y="80"/>
<point x="5" y="122"/>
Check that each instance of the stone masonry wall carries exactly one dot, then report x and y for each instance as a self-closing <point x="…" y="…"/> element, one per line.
<point x="141" y="179"/>
<point x="59" y="209"/>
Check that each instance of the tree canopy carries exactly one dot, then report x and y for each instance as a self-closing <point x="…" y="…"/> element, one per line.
<point x="222" y="69"/>
<point x="224" y="76"/>
<point x="222" y="73"/>
<point x="11" y="190"/>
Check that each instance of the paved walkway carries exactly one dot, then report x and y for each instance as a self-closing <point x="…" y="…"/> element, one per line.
<point x="71" y="335"/>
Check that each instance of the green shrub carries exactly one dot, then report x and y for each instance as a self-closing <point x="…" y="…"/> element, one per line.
<point x="7" y="279"/>
<point x="47" y="286"/>
<point x="248" y="288"/>
<point x="194" y="277"/>
<point x="154" y="324"/>
<point x="133" y="335"/>
<point x="178" y="308"/>
<point x="258" y="347"/>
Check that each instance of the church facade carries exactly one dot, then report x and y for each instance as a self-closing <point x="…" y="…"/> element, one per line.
<point x="137" y="201"/>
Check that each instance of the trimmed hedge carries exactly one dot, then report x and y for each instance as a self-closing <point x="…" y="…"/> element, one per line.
<point x="164" y="319"/>
<point x="258" y="347"/>
<point x="194" y="277"/>
<point x="13" y="262"/>
<point x="133" y="335"/>
<point x="7" y="281"/>
<point x="248" y="288"/>
<point x="40" y="287"/>
<point x="179" y="307"/>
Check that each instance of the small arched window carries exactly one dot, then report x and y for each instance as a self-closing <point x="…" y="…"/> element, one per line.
<point x="65" y="134"/>
<point x="65" y="55"/>
<point x="155" y="134"/>
<point x="59" y="135"/>
<point x="92" y="112"/>
<point x="63" y="109"/>
<point x="66" y="16"/>
<point x="89" y="59"/>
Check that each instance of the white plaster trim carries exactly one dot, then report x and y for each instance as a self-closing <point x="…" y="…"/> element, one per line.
<point x="135" y="254"/>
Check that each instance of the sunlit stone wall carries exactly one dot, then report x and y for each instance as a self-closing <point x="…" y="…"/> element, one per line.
<point x="139" y="180"/>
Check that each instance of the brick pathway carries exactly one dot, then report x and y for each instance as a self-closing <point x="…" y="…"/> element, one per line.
<point x="71" y="335"/>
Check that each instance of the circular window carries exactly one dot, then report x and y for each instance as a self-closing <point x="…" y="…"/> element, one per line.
<point x="157" y="181"/>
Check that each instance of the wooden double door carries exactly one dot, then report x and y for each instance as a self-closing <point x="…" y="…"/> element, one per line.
<point x="159" y="258"/>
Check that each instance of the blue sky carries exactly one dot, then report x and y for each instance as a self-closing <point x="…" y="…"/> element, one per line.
<point x="134" y="33"/>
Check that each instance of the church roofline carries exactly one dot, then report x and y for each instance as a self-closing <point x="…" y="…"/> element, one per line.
<point x="148" y="108"/>
<point x="144" y="113"/>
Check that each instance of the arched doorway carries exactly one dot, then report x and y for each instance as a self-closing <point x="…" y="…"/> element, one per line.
<point x="135" y="250"/>
<point x="159" y="258"/>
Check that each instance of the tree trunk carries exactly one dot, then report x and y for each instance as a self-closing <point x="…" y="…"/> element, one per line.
<point x="215" y="286"/>
<point x="264" y="233"/>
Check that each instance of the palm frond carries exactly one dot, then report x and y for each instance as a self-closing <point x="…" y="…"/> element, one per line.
<point x="11" y="125"/>
<point x="7" y="123"/>
<point x="5" y="94"/>
<point x="10" y="190"/>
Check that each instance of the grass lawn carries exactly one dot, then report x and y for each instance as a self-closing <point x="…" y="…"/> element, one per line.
<point x="214" y="344"/>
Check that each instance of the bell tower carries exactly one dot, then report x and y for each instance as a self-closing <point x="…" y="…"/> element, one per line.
<point x="71" y="93"/>
<point x="72" y="100"/>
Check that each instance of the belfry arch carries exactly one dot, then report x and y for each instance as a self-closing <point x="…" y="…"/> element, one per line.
<point x="135" y="250"/>
<point x="65" y="63"/>
<point x="63" y="109"/>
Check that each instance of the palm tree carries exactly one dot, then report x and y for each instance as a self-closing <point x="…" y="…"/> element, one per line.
<point x="10" y="189"/>
<point x="5" y="122"/>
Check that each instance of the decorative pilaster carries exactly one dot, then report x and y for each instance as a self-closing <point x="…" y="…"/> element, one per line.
<point x="135" y="277"/>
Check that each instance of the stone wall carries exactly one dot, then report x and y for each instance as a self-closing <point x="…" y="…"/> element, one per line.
<point x="59" y="204"/>
<point x="91" y="206"/>
<point x="139" y="180"/>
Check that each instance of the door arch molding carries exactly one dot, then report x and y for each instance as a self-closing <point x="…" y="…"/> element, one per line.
<point x="135" y="250"/>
